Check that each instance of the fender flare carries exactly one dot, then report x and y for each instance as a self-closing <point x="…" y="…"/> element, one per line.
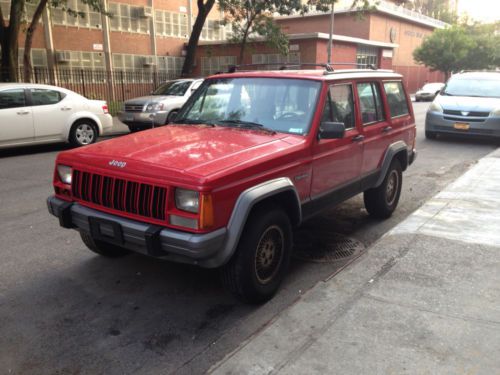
<point x="244" y="204"/>
<point x="394" y="149"/>
<point x="78" y="116"/>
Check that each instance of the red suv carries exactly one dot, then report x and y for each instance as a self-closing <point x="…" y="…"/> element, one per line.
<point x="250" y="156"/>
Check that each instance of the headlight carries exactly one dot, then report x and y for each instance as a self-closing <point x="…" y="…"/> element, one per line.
<point x="153" y="107"/>
<point x="64" y="173"/>
<point x="495" y="112"/>
<point x="435" y="107"/>
<point x="187" y="200"/>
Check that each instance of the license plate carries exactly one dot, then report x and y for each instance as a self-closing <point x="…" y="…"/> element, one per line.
<point x="106" y="230"/>
<point x="461" y="126"/>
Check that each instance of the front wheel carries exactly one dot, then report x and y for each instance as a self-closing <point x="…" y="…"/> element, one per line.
<point x="380" y="202"/>
<point x="82" y="133"/>
<point x="259" y="264"/>
<point x="430" y="135"/>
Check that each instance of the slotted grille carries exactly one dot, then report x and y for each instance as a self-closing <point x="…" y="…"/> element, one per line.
<point x="133" y="107"/>
<point x="119" y="194"/>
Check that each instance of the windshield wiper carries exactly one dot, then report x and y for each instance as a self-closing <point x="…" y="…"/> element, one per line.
<point x="246" y="124"/>
<point x="189" y="121"/>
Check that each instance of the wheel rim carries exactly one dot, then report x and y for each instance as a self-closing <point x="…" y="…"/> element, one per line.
<point x="84" y="134"/>
<point x="392" y="187"/>
<point x="269" y="254"/>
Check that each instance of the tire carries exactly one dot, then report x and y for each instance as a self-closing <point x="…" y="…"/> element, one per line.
<point x="430" y="135"/>
<point x="83" y="132"/>
<point x="380" y="202"/>
<point x="102" y="248"/>
<point x="171" y="116"/>
<point x="257" y="268"/>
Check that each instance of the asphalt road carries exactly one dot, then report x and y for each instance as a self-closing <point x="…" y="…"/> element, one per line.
<point x="64" y="310"/>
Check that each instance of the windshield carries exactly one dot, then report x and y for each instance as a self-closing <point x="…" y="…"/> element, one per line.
<point x="473" y="87"/>
<point x="281" y="105"/>
<point x="175" y="88"/>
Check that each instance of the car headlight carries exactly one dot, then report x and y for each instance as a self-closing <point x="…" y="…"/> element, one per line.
<point x="435" y="107"/>
<point x="187" y="200"/>
<point x="495" y="112"/>
<point x="64" y="173"/>
<point x="153" y="107"/>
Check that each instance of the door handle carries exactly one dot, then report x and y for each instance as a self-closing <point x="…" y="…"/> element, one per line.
<point x="65" y="108"/>
<point x="358" y="138"/>
<point x="387" y="129"/>
<point x="23" y="112"/>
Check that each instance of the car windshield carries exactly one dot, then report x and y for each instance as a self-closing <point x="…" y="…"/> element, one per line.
<point x="175" y="88"/>
<point x="277" y="104"/>
<point x="488" y="88"/>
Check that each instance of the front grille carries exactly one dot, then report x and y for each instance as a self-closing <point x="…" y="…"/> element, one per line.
<point x="133" y="107"/>
<point x="470" y="131"/>
<point x="119" y="194"/>
<point x="470" y="114"/>
<point x="465" y="119"/>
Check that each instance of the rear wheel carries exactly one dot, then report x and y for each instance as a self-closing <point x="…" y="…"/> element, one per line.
<point x="259" y="264"/>
<point x="102" y="248"/>
<point x="83" y="132"/>
<point x="430" y="135"/>
<point x="380" y="202"/>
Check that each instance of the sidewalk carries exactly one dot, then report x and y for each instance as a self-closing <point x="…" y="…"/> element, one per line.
<point x="118" y="128"/>
<point x="425" y="299"/>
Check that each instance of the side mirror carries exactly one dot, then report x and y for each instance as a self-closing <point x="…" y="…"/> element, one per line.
<point x="331" y="130"/>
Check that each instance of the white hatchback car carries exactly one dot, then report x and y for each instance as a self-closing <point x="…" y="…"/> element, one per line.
<point x="35" y="114"/>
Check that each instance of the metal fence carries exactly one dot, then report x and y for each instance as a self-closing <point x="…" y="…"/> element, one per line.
<point x="113" y="86"/>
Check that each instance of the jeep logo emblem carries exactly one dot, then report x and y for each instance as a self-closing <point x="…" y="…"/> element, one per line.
<point x="119" y="164"/>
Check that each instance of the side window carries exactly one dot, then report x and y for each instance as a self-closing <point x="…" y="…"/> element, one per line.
<point x="45" y="97"/>
<point x="396" y="98"/>
<point x="12" y="98"/>
<point x="370" y="102"/>
<point x="339" y="106"/>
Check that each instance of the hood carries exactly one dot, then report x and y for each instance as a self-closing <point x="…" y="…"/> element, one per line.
<point x="468" y="103"/>
<point x="151" y="98"/>
<point x="184" y="150"/>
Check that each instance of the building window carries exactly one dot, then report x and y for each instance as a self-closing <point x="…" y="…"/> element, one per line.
<point x="211" y="65"/>
<point x="172" y="65"/>
<point x="38" y="57"/>
<point x="128" y="18"/>
<point x="171" y="24"/>
<point x="275" y="58"/>
<point x="90" y="18"/>
<point x="212" y="30"/>
<point x="80" y="59"/>
<point x="366" y="56"/>
<point x="29" y="10"/>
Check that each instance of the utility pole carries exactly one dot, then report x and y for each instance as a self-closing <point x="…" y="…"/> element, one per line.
<point x="330" y="39"/>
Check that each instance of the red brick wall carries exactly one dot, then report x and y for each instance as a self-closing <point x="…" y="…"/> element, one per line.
<point x="75" y="39"/>
<point x="416" y="76"/>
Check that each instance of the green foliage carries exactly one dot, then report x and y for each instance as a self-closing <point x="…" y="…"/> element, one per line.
<point x="458" y="48"/>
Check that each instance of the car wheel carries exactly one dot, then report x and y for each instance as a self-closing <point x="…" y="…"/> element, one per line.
<point x="380" y="202"/>
<point x="257" y="268"/>
<point x="102" y="248"/>
<point x="171" y="116"/>
<point x="82" y="133"/>
<point x="430" y="135"/>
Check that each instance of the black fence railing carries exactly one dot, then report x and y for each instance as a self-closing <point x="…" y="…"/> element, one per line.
<point x="113" y="86"/>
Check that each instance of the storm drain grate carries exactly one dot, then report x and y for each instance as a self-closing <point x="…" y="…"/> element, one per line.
<point x="325" y="247"/>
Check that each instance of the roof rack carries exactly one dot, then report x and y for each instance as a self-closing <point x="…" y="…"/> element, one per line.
<point x="282" y="66"/>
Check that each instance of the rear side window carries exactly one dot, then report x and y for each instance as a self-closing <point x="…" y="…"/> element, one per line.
<point x="371" y="105"/>
<point x="339" y="106"/>
<point x="396" y="98"/>
<point x="45" y="97"/>
<point x="12" y="98"/>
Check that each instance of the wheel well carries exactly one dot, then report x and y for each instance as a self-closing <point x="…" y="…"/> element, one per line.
<point x="402" y="156"/>
<point x="287" y="201"/>
<point x="85" y="119"/>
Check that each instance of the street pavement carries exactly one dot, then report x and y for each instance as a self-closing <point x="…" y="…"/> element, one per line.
<point x="424" y="299"/>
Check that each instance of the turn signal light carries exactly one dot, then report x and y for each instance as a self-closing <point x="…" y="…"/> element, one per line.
<point x="206" y="212"/>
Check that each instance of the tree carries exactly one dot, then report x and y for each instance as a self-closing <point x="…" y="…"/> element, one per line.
<point x="9" y="32"/>
<point x="460" y="47"/>
<point x="204" y="8"/>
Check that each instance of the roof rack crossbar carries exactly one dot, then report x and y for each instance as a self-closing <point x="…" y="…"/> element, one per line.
<point x="282" y="66"/>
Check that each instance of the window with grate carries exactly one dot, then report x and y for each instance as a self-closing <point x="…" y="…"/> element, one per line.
<point x="211" y="65"/>
<point x="366" y="56"/>
<point x="275" y="58"/>
<point x="90" y="19"/>
<point x="128" y="18"/>
<point x="171" y="24"/>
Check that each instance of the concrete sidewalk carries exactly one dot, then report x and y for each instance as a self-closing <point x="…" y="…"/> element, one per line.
<point x="119" y="128"/>
<point x="425" y="299"/>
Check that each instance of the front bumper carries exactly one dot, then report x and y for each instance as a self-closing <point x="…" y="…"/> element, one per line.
<point x="200" y="249"/>
<point x="143" y="119"/>
<point x="489" y="127"/>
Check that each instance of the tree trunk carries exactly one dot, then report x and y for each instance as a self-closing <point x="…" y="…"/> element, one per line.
<point x="243" y="43"/>
<point x="29" y="40"/>
<point x="203" y="11"/>
<point x="9" y="42"/>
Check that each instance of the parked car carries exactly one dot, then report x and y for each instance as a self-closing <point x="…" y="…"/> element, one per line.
<point x="468" y="105"/>
<point x="429" y="91"/>
<point x="250" y="156"/>
<point x="160" y="107"/>
<point x="35" y="114"/>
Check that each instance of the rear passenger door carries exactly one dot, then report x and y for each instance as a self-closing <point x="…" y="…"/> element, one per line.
<point x="50" y="112"/>
<point x="376" y="127"/>
<point x="400" y="113"/>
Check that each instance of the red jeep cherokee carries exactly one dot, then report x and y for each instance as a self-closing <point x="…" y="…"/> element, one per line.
<point x="251" y="156"/>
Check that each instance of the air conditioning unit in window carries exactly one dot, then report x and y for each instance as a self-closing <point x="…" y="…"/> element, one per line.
<point x="63" y="56"/>
<point x="144" y="12"/>
<point x="148" y="61"/>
